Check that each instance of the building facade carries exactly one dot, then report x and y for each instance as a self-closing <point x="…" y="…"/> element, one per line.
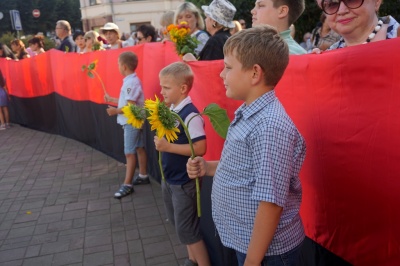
<point x="127" y="14"/>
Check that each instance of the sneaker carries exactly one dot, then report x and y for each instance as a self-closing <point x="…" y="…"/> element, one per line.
<point x="2" y="127"/>
<point x="123" y="191"/>
<point x="141" y="180"/>
<point x="8" y="125"/>
<point x="189" y="262"/>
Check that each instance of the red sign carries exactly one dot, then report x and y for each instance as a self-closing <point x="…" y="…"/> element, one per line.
<point x="36" y="13"/>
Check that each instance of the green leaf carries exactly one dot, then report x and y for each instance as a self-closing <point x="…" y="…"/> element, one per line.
<point x="219" y="119"/>
<point x="92" y="66"/>
<point x="83" y="67"/>
<point x="90" y="74"/>
<point x="185" y="50"/>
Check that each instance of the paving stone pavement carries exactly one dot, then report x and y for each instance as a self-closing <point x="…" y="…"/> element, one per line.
<point x="56" y="207"/>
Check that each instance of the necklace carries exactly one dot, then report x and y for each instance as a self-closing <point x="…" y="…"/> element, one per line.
<point x="370" y="37"/>
<point x="376" y="29"/>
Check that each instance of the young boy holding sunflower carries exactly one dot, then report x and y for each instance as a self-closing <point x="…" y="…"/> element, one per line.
<point x="132" y="93"/>
<point x="179" y="191"/>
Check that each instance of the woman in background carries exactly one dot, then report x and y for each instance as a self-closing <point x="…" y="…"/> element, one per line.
<point x="37" y="44"/>
<point x="189" y="13"/>
<point x="18" y="48"/>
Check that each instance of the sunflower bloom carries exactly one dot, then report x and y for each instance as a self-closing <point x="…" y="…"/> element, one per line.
<point x="134" y="114"/>
<point x="162" y="119"/>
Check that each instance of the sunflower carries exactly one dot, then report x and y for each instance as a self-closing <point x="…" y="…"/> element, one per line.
<point x="134" y="114"/>
<point x="162" y="119"/>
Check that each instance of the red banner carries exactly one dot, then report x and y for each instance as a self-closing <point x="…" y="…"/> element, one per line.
<point x="346" y="104"/>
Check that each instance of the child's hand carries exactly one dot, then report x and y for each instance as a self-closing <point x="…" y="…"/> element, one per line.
<point x="196" y="167"/>
<point x="161" y="144"/>
<point x="111" y="110"/>
<point x="189" y="57"/>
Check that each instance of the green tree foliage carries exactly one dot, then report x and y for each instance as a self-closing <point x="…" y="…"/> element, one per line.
<point x="50" y="12"/>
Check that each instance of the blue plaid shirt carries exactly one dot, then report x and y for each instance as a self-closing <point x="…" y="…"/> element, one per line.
<point x="261" y="161"/>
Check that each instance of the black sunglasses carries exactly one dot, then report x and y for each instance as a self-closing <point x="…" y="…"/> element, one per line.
<point x="331" y="7"/>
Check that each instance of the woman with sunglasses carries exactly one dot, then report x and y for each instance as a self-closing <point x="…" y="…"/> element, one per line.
<point x="357" y="21"/>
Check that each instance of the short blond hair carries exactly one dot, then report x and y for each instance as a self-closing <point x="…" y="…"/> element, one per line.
<point x="263" y="46"/>
<point x="181" y="72"/>
<point x="129" y="59"/>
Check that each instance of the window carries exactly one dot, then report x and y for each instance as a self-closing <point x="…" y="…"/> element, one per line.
<point x="95" y="2"/>
<point x="134" y="26"/>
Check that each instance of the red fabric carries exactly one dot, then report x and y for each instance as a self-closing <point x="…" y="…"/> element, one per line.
<point x="346" y="104"/>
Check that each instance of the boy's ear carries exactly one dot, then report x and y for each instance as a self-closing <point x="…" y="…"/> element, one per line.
<point x="258" y="74"/>
<point x="283" y="11"/>
<point x="184" y="89"/>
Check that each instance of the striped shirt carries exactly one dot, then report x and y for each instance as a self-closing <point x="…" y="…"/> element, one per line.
<point x="260" y="161"/>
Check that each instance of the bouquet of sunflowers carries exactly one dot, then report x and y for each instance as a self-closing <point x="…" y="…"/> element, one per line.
<point x="180" y="35"/>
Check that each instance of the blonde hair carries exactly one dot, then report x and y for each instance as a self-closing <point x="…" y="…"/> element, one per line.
<point x="93" y="35"/>
<point x="181" y="72"/>
<point x="129" y="59"/>
<point x="187" y="6"/>
<point x="263" y="46"/>
<point x="167" y="18"/>
<point x="237" y="27"/>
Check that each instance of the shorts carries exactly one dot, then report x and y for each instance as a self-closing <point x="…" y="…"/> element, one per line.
<point x="3" y="97"/>
<point x="181" y="208"/>
<point x="133" y="139"/>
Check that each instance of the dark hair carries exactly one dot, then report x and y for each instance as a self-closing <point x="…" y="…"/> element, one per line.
<point x="148" y="30"/>
<point x="6" y="51"/>
<point x="37" y="39"/>
<point x="77" y="34"/>
<point x="296" y="8"/>
<point x="2" y="80"/>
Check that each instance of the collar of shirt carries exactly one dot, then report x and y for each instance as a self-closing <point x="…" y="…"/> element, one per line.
<point x="129" y="76"/>
<point x="182" y="104"/>
<point x="285" y="34"/>
<point x="247" y="111"/>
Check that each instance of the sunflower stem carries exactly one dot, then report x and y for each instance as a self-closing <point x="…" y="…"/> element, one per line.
<point x="160" y="164"/>
<point x="101" y="81"/>
<point x="185" y="128"/>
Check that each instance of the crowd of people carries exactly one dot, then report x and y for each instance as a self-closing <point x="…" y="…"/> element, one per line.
<point x="263" y="224"/>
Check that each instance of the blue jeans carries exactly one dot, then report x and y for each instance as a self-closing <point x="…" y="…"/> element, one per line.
<point x="290" y="258"/>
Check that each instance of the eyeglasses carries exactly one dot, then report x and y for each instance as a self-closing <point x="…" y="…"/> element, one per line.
<point x="140" y="38"/>
<point x="331" y="7"/>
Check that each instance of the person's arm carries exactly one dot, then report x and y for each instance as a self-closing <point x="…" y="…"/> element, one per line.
<point x="182" y="149"/>
<point x="111" y="110"/>
<point x="199" y="167"/>
<point x="109" y="99"/>
<point x="195" y="125"/>
<point x="265" y="224"/>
